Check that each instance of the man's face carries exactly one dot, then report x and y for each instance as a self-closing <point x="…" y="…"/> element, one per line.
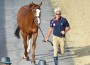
<point x="57" y="14"/>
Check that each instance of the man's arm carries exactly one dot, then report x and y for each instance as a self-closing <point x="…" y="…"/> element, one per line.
<point x="67" y="29"/>
<point x="49" y="33"/>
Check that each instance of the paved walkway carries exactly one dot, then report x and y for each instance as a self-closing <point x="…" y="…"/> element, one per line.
<point x="13" y="47"/>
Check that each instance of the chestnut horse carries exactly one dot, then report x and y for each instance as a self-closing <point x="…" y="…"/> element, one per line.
<point x="28" y="17"/>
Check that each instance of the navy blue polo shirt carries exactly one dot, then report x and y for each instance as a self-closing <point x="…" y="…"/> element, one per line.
<point x="59" y="26"/>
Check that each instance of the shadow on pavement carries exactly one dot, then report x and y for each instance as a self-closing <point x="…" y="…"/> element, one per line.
<point x="67" y="59"/>
<point x="3" y="50"/>
<point x="83" y="51"/>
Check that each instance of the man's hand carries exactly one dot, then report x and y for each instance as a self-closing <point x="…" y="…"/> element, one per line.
<point x="46" y="40"/>
<point x="63" y="32"/>
<point x="48" y="34"/>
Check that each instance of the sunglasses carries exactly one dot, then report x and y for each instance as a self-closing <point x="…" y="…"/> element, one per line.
<point x="58" y="14"/>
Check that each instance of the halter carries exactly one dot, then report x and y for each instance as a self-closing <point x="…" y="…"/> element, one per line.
<point x="37" y="16"/>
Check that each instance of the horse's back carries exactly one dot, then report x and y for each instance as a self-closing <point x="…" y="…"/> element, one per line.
<point x="22" y="10"/>
<point x="25" y="13"/>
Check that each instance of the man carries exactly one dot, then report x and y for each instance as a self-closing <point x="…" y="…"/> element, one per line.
<point x="60" y="26"/>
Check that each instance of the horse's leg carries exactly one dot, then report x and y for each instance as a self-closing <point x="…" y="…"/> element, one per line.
<point x="29" y="45"/>
<point x="33" y="47"/>
<point x="24" y="36"/>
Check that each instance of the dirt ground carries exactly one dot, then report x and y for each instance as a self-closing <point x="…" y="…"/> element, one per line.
<point x="77" y="13"/>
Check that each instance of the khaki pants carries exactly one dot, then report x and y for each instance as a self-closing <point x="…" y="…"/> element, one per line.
<point x="58" y="42"/>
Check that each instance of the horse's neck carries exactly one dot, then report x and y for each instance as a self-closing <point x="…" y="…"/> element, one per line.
<point x="23" y="10"/>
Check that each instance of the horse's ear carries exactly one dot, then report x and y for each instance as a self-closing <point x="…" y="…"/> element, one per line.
<point x="40" y="4"/>
<point x="31" y="4"/>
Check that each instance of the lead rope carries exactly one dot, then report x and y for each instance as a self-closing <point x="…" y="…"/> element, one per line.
<point x="42" y="32"/>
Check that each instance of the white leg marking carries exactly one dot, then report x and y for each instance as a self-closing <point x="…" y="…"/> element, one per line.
<point x="29" y="46"/>
<point x="33" y="63"/>
<point x="24" y="57"/>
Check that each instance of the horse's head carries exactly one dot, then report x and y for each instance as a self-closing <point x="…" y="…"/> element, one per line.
<point x="36" y="10"/>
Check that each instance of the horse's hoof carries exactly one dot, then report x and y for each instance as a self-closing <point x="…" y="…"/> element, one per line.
<point x="26" y="58"/>
<point x="28" y="51"/>
<point x="33" y="63"/>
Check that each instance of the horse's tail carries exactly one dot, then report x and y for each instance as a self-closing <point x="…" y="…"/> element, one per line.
<point x="17" y="32"/>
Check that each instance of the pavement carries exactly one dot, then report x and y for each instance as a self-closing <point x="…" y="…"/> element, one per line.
<point x="13" y="47"/>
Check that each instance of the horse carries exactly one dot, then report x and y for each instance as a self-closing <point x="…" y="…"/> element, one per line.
<point x="28" y="19"/>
